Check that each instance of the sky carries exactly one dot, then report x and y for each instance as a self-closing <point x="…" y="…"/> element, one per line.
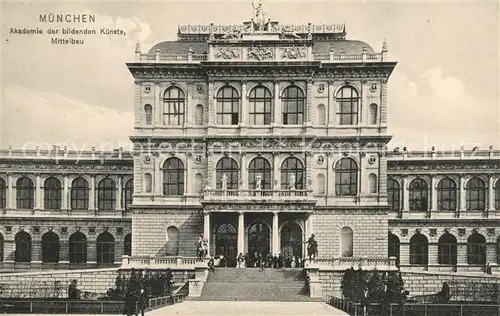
<point x="444" y="91"/>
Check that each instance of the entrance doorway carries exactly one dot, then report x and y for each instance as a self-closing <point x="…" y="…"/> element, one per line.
<point x="291" y="240"/>
<point x="258" y="238"/>
<point x="226" y="243"/>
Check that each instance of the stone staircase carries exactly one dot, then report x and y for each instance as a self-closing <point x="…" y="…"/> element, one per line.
<point x="254" y="284"/>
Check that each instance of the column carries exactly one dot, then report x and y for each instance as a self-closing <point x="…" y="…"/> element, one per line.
<point x="276" y="172"/>
<point x="210" y="107"/>
<point x="38" y="192"/>
<point x="157" y="108"/>
<point x="361" y="99"/>
<point x="276" y="241"/>
<point x="10" y="192"/>
<point x="187" y="174"/>
<point x="276" y="105"/>
<point x="92" y="198"/>
<point x="244" y="172"/>
<point x="210" y="171"/>
<point x="330" y="119"/>
<point x="241" y="233"/>
<point x="119" y="191"/>
<point x="187" y="114"/>
<point x="244" y="104"/>
<point x="206" y="231"/>
<point x="65" y="198"/>
<point x="308" y="106"/>
<point x="433" y="194"/>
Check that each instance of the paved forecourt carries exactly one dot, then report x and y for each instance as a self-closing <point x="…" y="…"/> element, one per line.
<point x="230" y="308"/>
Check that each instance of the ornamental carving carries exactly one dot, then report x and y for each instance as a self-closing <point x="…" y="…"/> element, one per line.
<point x="260" y="53"/>
<point x="473" y="166"/>
<point x="261" y="207"/>
<point x="293" y="53"/>
<point x="227" y="53"/>
<point x="76" y="167"/>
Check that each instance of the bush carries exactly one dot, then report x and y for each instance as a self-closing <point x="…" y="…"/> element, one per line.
<point x="376" y="288"/>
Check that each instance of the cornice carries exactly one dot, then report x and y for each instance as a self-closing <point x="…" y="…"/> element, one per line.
<point x="456" y="222"/>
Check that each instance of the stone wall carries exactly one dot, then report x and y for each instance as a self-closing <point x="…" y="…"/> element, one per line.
<point x="43" y="284"/>
<point x="155" y="232"/>
<point x="369" y="234"/>
<point x="417" y="283"/>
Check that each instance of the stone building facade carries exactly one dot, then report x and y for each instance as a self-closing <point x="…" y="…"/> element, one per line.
<point x="256" y="136"/>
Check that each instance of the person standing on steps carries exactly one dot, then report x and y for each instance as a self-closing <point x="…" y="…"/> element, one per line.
<point x="241" y="260"/>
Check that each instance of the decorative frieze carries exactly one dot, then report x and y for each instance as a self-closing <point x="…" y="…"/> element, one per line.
<point x="260" y="53"/>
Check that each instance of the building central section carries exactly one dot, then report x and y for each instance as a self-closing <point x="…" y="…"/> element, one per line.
<point x="257" y="136"/>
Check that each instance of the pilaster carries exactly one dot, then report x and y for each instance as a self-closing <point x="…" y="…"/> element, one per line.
<point x="461" y="254"/>
<point x="92" y="198"/>
<point x="462" y="196"/>
<point x="308" y="107"/>
<point x="36" y="251"/>
<point x="244" y="105"/>
<point x="187" y="107"/>
<point x="38" y="192"/>
<point x="405" y="197"/>
<point x="64" y="252"/>
<point x="119" y="194"/>
<point x="433" y="194"/>
<point x="276" y="171"/>
<point x="210" y="171"/>
<point x="491" y="253"/>
<point x="157" y="185"/>
<point x="308" y="170"/>
<point x="211" y="105"/>
<point x="276" y="105"/>
<point x="491" y="193"/>
<point x="91" y="253"/>
<point x="404" y="254"/>
<point x="244" y="172"/>
<point x="433" y="254"/>
<point x="8" y="250"/>
<point x="206" y="231"/>
<point x="157" y="108"/>
<point x="65" y="198"/>
<point x="383" y="174"/>
<point x="241" y="233"/>
<point x="383" y="102"/>
<point x="189" y="186"/>
<point x="11" y="202"/>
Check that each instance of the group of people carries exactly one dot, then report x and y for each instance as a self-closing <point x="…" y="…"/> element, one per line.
<point x="142" y="286"/>
<point x="256" y="259"/>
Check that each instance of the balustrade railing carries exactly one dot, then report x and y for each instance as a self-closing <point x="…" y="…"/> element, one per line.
<point x="365" y="263"/>
<point x="213" y="194"/>
<point x="159" y="262"/>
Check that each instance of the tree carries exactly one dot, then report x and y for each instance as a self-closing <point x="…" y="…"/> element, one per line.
<point x="376" y="288"/>
<point x="360" y="286"/>
<point x="348" y="283"/>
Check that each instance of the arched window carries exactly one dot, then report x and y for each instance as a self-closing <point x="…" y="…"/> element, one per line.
<point x="447" y="249"/>
<point x="198" y="183"/>
<point x="372" y="183"/>
<point x="321" y="115"/>
<point x="80" y="194"/>
<point x="292" y="166"/>
<point x="476" y="249"/>
<point x="23" y="247"/>
<point x="1" y="247"/>
<point x="228" y="106"/>
<point x="320" y="184"/>
<point x="172" y="241"/>
<point x="260" y="166"/>
<point x="105" y="248"/>
<point x="497" y="196"/>
<point x="292" y="105"/>
<point x="148" y="182"/>
<point x="373" y="114"/>
<point x="260" y="103"/>
<point x="346" y="177"/>
<point x="50" y="247"/>
<point x="173" y="107"/>
<point x="173" y="177"/>
<point x="128" y="192"/>
<point x="418" y="195"/>
<point x="106" y="194"/>
<point x="127" y="245"/>
<point x="229" y="167"/>
<point x="346" y="242"/>
<point x="347" y="106"/>
<point x="77" y="248"/>
<point x="148" y="113"/>
<point x="3" y="193"/>
<point x="52" y="193"/>
<point x="393" y="247"/>
<point x="475" y="195"/>
<point x="198" y="115"/>
<point x="25" y="193"/>
<point x="393" y="195"/>
<point x="447" y="195"/>
<point x="419" y="249"/>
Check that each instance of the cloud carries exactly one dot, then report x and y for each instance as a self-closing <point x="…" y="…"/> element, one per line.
<point x="36" y="117"/>
<point x="438" y="110"/>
